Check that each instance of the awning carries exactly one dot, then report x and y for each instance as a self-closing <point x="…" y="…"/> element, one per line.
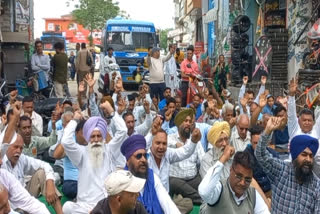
<point x="15" y="37"/>
<point x="210" y="16"/>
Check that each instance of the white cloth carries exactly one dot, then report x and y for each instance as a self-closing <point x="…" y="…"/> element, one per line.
<point x="91" y="181"/>
<point x="171" y="156"/>
<point x="19" y="196"/>
<point x="165" y="201"/>
<point x="143" y="128"/>
<point x="210" y="190"/>
<point x="236" y="141"/>
<point x="171" y="75"/>
<point x="188" y="168"/>
<point x="293" y="125"/>
<point x="107" y="59"/>
<point x="156" y="68"/>
<point x="26" y="166"/>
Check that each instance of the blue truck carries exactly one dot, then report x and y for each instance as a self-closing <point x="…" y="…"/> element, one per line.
<point x="49" y="39"/>
<point x="130" y="41"/>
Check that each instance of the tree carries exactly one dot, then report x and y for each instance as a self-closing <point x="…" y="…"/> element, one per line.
<point x="164" y="38"/>
<point x="93" y="14"/>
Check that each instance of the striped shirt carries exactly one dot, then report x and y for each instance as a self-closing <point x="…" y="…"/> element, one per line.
<point x="288" y="196"/>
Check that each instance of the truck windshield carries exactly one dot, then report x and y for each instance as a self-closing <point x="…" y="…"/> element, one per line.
<point x="120" y="41"/>
<point x="143" y="40"/>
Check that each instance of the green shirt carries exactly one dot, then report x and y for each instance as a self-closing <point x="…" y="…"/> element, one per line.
<point x="217" y="80"/>
<point x="60" y="66"/>
<point x="39" y="143"/>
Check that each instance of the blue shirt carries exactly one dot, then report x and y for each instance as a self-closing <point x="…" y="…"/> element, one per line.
<point x="199" y="112"/>
<point x="162" y="104"/>
<point x="58" y="125"/>
<point x="70" y="171"/>
<point x="268" y="110"/>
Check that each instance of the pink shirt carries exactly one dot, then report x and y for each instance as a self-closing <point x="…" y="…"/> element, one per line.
<point x="194" y="70"/>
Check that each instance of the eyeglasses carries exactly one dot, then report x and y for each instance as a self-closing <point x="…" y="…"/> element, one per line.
<point x="139" y="156"/>
<point x="239" y="178"/>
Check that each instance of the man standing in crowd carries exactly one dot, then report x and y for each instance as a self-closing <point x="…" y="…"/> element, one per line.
<point x="189" y="68"/>
<point x="295" y="189"/>
<point x="60" y="69"/>
<point x="179" y="57"/>
<point x="72" y="60"/>
<point x="83" y="65"/>
<point x="40" y="61"/>
<point x="109" y="58"/>
<point x="171" y="75"/>
<point x="155" y="64"/>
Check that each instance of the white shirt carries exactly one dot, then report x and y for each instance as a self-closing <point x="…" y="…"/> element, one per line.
<point x="143" y="128"/>
<point x="210" y="190"/>
<point x="27" y="166"/>
<point x="156" y="68"/>
<point x="40" y="63"/>
<point x="171" y="156"/>
<point x="91" y="181"/>
<point x="188" y="168"/>
<point x="256" y="100"/>
<point x="19" y="196"/>
<point x="37" y="123"/>
<point x="165" y="201"/>
<point x="293" y="125"/>
<point x="237" y="142"/>
<point x="107" y="59"/>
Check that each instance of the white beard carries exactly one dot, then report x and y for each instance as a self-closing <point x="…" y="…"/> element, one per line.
<point x="217" y="153"/>
<point x="96" y="154"/>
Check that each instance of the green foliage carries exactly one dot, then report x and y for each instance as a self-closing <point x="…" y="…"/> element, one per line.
<point x="164" y="38"/>
<point x="93" y="14"/>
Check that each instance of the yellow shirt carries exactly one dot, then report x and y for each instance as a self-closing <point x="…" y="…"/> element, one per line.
<point x="179" y="58"/>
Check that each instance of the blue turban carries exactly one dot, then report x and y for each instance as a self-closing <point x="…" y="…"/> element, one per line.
<point x="132" y="144"/>
<point x="94" y="123"/>
<point x="300" y="142"/>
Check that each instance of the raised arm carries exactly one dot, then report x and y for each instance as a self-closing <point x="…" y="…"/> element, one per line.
<point x="145" y="126"/>
<point x="241" y="94"/>
<point x="262" y="88"/>
<point x="271" y="166"/>
<point x="71" y="148"/>
<point x="262" y="103"/>
<point x="292" y="112"/>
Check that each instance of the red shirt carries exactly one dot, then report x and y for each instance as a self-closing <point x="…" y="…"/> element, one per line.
<point x="194" y="70"/>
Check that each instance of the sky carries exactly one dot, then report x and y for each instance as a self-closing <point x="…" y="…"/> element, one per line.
<point x="160" y="12"/>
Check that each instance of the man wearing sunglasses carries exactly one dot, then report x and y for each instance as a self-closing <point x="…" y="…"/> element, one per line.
<point x="154" y="196"/>
<point x="234" y="194"/>
<point x="240" y="137"/>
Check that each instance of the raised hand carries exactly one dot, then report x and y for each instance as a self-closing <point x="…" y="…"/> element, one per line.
<point x="156" y="125"/>
<point x="17" y="109"/>
<point x="245" y="80"/>
<point x="168" y="115"/>
<point x="13" y="96"/>
<point x="263" y="80"/>
<point x="106" y="107"/>
<point x="274" y="123"/>
<point x="293" y="86"/>
<point x="196" y="135"/>
<point x="90" y="80"/>
<point x="263" y="99"/>
<point x="244" y="101"/>
<point x="77" y="115"/>
<point x="228" y="152"/>
<point x="121" y="105"/>
<point x="81" y="87"/>
<point x="146" y="106"/>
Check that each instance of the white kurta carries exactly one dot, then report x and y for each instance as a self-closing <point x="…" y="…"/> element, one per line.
<point x="171" y="75"/>
<point x="91" y="181"/>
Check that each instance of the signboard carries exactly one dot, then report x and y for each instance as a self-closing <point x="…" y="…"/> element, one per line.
<point x="210" y="16"/>
<point x="198" y="48"/>
<point x="22" y="12"/>
<point x="143" y="29"/>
